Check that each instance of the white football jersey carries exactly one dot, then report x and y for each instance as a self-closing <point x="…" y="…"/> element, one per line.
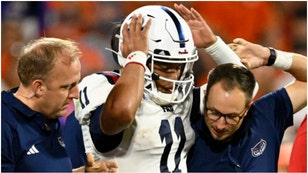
<point x="157" y="141"/>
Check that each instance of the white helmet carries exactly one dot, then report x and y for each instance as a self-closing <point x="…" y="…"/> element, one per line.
<point x="170" y="41"/>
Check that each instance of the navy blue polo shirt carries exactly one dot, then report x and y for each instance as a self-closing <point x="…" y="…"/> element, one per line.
<point x="27" y="144"/>
<point x="255" y="146"/>
<point x="73" y="139"/>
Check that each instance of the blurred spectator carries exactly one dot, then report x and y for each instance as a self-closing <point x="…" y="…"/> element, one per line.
<point x="294" y="24"/>
<point x="20" y="22"/>
<point x="254" y="21"/>
<point x="270" y="23"/>
<point x="11" y="42"/>
<point x="293" y="156"/>
<point x="88" y="23"/>
<point x="74" y="20"/>
<point x="131" y="6"/>
<point x="99" y="36"/>
<point x="257" y="22"/>
<point x="295" y="29"/>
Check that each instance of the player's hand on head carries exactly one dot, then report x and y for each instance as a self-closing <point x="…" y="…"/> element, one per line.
<point x="135" y="36"/>
<point x="202" y="34"/>
<point x="251" y="55"/>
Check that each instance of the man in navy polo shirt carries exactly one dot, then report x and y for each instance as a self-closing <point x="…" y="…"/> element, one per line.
<point x="49" y="71"/>
<point x="232" y="133"/>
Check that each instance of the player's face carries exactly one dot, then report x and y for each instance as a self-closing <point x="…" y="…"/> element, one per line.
<point x="224" y="111"/>
<point x="60" y="88"/>
<point x="167" y="70"/>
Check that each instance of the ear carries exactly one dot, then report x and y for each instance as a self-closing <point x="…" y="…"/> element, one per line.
<point x="248" y="107"/>
<point x="204" y="91"/>
<point x="38" y="87"/>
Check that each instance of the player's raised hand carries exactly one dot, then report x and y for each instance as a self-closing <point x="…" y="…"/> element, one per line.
<point x="202" y="33"/>
<point x="252" y="55"/>
<point x="135" y="36"/>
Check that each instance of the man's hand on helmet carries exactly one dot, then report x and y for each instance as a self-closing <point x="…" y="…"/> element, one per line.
<point x="135" y="37"/>
<point x="202" y="34"/>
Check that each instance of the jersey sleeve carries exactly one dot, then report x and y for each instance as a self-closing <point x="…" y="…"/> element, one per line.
<point x="102" y="143"/>
<point x="93" y="92"/>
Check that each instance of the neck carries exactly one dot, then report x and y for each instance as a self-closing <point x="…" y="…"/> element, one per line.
<point x="25" y="95"/>
<point x="28" y="96"/>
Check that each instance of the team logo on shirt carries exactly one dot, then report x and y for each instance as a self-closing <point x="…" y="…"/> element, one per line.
<point x="259" y="148"/>
<point x="61" y="141"/>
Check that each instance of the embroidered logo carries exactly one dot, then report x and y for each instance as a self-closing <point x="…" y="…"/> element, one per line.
<point x="259" y="148"/>
<point x="61" y="141"/>
<point x="32" y="150"/>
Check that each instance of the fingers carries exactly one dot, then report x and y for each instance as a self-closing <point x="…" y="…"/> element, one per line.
<point x="108" y="167"/>
<point x="135" y="36"/>
<point x="183" y="11"/>
<point x="196" y="14"/>
<point x="239" y="41"/>
<point x="139" y="23"/>
<point x="112" y="166"/>
<point x="128" y="33"/>
<point x="233" y="46"/>
<point x="90" y="159"/>
<point x="246" y="63"/>
<point x="125" y="32"/>
<point x="136" y="23"/>
<point x="187" y="14"/>
<point x="251" y="55"/>
<point x="134" y="26"/>
<point x="147" y="27"/>
<point x="100" y="166"/>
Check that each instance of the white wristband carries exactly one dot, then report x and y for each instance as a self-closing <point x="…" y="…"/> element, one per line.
<point x="137" y="57"/>
<point x="222" y="53"/>
<point x="283" y="60"/>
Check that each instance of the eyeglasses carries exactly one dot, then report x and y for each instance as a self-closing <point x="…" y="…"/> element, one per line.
<point x="232" y="119"/>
